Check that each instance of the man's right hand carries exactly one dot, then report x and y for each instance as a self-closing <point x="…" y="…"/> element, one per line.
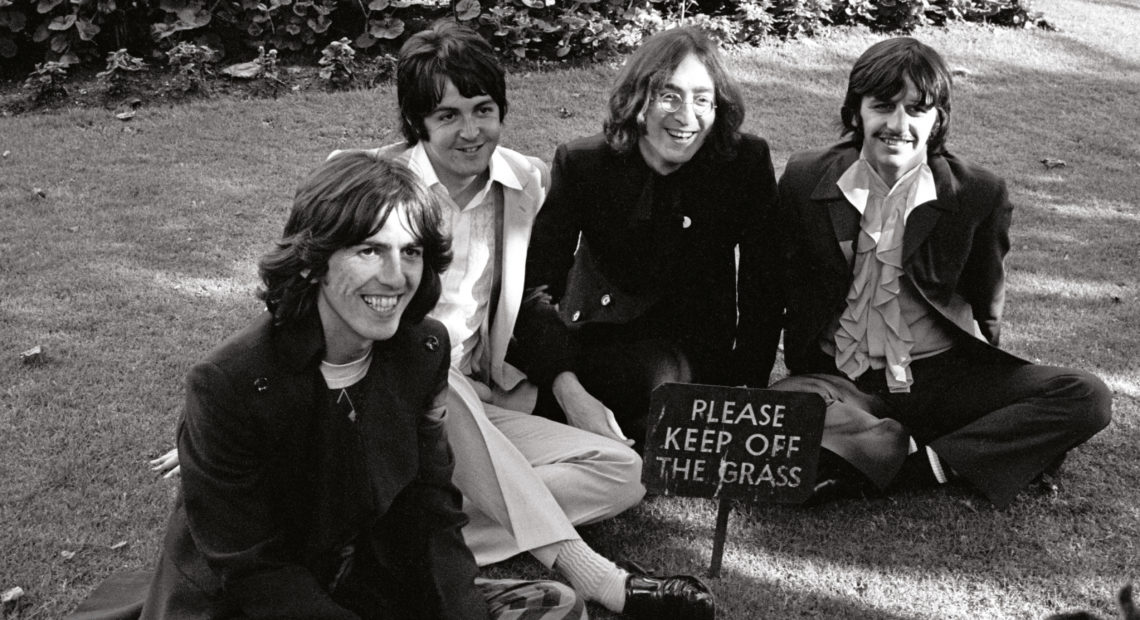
<point x="167" y="464"/>
<point x="583" y="410"/>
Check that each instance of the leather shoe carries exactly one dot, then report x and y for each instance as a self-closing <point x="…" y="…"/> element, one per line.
<point x="837" y="489"/>
<point x="836" y="479"/>
<point x="680" y="597"/>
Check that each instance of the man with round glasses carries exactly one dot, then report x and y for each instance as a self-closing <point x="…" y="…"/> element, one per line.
<point x="672" y="103"/>
<point x="660" y="200"/>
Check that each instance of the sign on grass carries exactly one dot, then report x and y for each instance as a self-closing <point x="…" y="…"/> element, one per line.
<point x="732" y="443"/>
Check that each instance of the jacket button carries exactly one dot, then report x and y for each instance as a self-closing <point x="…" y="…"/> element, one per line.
<point x="577" y="315"/>
<point x="431" y="343"/>
<point x="686" y="222"/>
<point x="606" y="299"/>
<point x="261" y="383"/>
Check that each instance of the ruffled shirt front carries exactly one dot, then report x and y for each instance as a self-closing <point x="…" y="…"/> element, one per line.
<point x="872" y="331"/>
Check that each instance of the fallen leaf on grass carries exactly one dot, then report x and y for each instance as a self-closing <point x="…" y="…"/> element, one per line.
<point x="118" y="545"/>
<point x="10" y="602"/>
<point x="39" y="192"/>
<point x="34" y="356"/>
<point x="244" y="70"/>
<point x="1051" y="163"/>
<point x="564" y="113"/>
<point x="7" y="153"/>
<point x="67" y="555"/>
<point x="125" y="116"/>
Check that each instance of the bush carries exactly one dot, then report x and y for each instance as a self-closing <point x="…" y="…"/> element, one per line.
<point x="46" y="82"/>
<point x="119" y="64"/>
<point x="192" y="65"/>
<point x="72" y="31"/>
<point x="338" y="64"/>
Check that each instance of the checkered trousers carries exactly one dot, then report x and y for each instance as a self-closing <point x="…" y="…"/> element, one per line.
<point x="511" y="599"/>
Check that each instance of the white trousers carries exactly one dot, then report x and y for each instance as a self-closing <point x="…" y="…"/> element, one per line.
<point x="527" y="481"/>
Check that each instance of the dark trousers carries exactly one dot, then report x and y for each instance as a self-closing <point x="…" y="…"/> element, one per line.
<point x="623" y="375"/>
<point x="996" y="420"/>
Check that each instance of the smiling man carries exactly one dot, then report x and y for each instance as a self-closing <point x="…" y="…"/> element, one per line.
<point x="632" y="265"/>
<point x="896" y="286"/>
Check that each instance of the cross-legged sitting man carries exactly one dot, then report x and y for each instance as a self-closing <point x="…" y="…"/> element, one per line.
<point x="895" y="294"/>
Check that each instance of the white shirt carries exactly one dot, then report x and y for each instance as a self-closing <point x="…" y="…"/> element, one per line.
<point x="465" y="301"/>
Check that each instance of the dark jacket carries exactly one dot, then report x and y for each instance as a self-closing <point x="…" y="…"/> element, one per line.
<point x="662" y="260"/>
<point x="953" y="249"/>
<point x="270" y="505"/>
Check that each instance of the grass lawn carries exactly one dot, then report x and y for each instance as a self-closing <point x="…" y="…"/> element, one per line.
<point x="127" y="251"/>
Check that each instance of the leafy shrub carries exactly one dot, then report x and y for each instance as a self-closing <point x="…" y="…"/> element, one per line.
<point x="192" y="64"/>
<point x="119" y="64"/>
<point x="46" y="82"/>
<point x="338" y="64"/>
<point x="802" y="17"/>
<point x="756" y="19"/>
<point x="267" y="61"/>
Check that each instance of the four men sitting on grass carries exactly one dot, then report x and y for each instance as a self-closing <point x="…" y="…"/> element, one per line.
<point x="881" y="258"/>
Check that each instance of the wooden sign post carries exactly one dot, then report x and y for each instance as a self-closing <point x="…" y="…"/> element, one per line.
<point x="731" y="444"/>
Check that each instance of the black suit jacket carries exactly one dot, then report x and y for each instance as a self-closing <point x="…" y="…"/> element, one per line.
<point x="953" y="249"/>
<point x="252" y="534"/>
<point x="663" y="254"/>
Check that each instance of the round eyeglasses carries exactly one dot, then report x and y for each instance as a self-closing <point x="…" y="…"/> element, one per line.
<point x="671" y="102"/>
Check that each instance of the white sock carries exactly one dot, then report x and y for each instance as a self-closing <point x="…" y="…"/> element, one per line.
<point x="936" y="466"/>
<point x="592" y="575"/>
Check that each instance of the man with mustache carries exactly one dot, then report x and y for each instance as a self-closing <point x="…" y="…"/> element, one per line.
<point x="895" y="289"/>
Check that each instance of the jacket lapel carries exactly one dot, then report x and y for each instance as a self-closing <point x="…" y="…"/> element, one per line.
<point x="519" y="210"/>
<point x="841" y="216"/>
<point x="925" y="216"/>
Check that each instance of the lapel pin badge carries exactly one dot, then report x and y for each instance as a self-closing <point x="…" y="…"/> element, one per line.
<point x="431" y="343"/>
<point x="261" y="383"/>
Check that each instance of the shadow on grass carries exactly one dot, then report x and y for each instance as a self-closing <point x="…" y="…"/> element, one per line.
<point x="859" y="559"/>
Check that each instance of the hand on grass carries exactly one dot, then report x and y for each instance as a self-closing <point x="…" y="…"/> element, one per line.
<point x="167" y="464"/>
<point x="584" y="411"/>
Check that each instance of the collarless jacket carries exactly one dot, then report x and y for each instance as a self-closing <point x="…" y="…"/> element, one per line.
<point x="664" y="248"/>
<point x="248" y="537"/>
<point x="953" y="249"/>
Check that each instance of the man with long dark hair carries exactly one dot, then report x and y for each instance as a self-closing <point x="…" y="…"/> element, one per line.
<point x="315" y="469"/>
<point x="633" y="258"/>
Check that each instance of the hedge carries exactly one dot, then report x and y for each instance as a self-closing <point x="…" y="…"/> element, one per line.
<point x="73" y="32"/>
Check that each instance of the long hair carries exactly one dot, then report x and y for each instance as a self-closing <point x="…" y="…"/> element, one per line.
<point x="647" y="71"/>
<point x="429" y="58"/>
<point x="881" y="72"/>
<point x="339" y="205"/>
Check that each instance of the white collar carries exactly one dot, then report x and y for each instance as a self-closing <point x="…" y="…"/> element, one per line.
<point x="858" y="179"/>
<point x="500" y="170"/>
